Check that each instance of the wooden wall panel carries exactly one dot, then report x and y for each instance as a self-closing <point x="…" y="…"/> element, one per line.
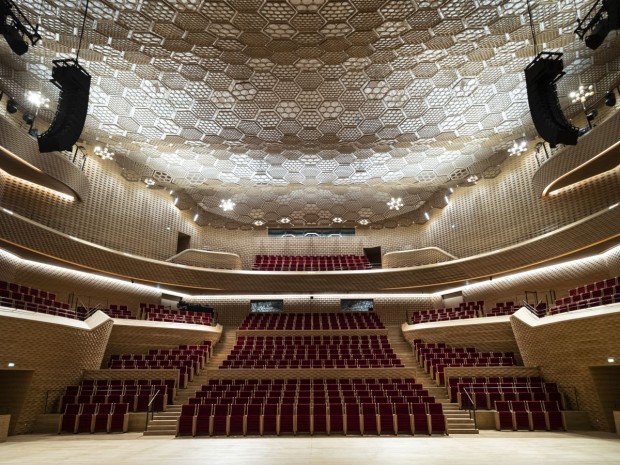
<point x="55" y="349"/>
<point x="566" y="346"/>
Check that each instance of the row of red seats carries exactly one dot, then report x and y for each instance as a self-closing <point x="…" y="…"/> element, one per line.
<point x="94" y="418"/>
<point x="274" y="419"/>
<point x="529" y="415"/>
<point x="597" y="301"/>
<point x="136" y="397"/>
<point x="307" y="364"/>
<point x="508" y="308"/>
<point x="483" y="399"/>
<point x="465" y="310"/>
<point x="435" y="358"/>
<point x="188" y="360"/>
<point x="310" y="263"/>
<point x="309" y="321"/>
<point x="324" y="339"/>
<point x="305" y="383"/>
<point x="173" y="315"/>
<point x="25" y="290"/>
<point x="114" y="311"/>
<point x="493" y="381"/>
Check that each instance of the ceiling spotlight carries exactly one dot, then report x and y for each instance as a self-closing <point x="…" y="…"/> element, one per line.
<point x="196" y="216"/>
<point x="610" y="99"/>
<point x="395" y="203"/>
<point x="284" y="220"/>
<point x="364" y="221"/>
<point x="150" y="182"/>
<point x="581" y="95"/>
<point x="427" y="216"/>
<point x="472" y="178"/>
<point x="227" y="205"/>
<point x="37" y="99"/>
<point x="104" y="153"/>
<point x="518" y="148"/>
<point x="11" y="106"/>
<point x="337" y="219"/>
<point x="258" y="222"/>
<point x="28" y="118"/>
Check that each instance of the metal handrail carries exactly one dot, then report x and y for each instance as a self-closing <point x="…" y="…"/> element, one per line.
<point x="469" y="410"/>
<point x="149" y="409"/>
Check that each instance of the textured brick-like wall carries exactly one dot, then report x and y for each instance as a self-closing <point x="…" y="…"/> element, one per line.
<point x="128" y="217"/>
<point x="565" y="346"/>
<point x="56" y="349"/>
<point x="9" y="264"/>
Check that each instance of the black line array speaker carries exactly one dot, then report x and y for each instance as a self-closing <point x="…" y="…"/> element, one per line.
<point x="66" y="128"/>
<point x="541" y="76"/>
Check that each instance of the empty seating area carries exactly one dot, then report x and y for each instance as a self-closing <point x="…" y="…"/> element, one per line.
<point x="113" y="311"/>
<point x="188" y="359"/>
<point x="320" y="406"/>
<point x="94" y="418"/>
<point x="310" y="263"/>
<point x="531" y="415"/>
<point x="135" y="393"/>
<point x="591" y="295"/>
<point x="274" y="352"/>
<point x="34" y="300"/>
<point x="435" y="357"/>
<point x="464" y="311"/>
<point x="311" y="321"/>
<point x="172" y="315"/>
<point x="483" y="392"/>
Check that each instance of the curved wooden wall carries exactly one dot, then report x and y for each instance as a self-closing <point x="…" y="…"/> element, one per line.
<point x="592" y="230"/>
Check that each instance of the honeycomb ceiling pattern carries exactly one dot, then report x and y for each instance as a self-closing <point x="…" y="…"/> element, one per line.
<point x="307" y="109"/>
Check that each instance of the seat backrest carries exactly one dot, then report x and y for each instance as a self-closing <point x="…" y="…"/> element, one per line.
<point x="121" y="409"/>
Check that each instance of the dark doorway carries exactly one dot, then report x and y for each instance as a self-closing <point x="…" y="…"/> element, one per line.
<point x="183" y="242"/>
<point x="14" y="385"/>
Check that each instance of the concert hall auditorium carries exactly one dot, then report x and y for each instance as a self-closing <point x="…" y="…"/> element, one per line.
<point x="310" y="232"/>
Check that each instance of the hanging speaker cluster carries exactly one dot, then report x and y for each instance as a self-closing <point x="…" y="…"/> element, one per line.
<point x="541" y="76"/>
<point x="66" y="128"/>
<point x="599" y="21"/>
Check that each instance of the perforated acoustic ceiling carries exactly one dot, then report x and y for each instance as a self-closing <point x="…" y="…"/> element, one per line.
<point x="308" y="109"/>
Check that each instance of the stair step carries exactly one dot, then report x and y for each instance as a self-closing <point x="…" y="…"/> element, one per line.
<point x="471" y="430"/>
<point x="160" y="433"/>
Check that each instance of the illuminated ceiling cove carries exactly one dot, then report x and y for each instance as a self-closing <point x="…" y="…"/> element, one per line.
<point x="308" y="109"/>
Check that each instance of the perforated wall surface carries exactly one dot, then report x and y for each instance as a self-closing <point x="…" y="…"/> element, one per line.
<point x="564" y="349"/>
<point x="57" y="353"/>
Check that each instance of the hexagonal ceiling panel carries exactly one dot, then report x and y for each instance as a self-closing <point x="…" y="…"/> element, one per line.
<point x="307" y="109"/>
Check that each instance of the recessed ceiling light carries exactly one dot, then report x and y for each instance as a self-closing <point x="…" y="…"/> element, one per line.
<point x="472" y="178"/>
<point x="427" y="216"/>
<point x="104" y="153"/>
<point x="284" y="220"/>
<point x="37" y="99"/>
<point x="227" y="205"/>
<point x="364" y="221"/>
<point x="150" y="182"/>
<point x="337" y="219"/>
<point x="518" y="148"/>
<point x="258" y="222"/>
<point x="196" y="216"/>
<point x="395" y="203"/>
<point x="581" y="95"/>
